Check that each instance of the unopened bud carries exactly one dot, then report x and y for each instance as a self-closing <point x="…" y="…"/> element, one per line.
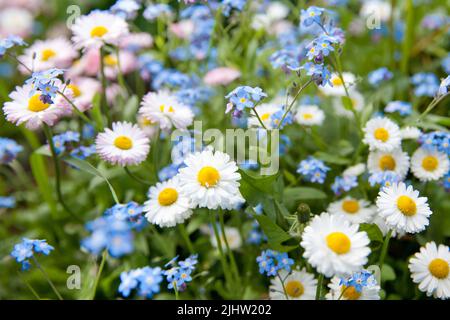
<point x="303" y="213"/>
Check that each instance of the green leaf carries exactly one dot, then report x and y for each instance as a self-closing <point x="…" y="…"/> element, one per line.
<point x="347" y="102"/>
<point x="130" y="108"/>
<point x="291" y="195"/>
<point x="373" y="232"/>
<point x="262" y="183"/>
<point x="275" y="235"/>
<point x="41" y="176"/>
<point x="387" y="273"/>
<point x="330" y="158"/>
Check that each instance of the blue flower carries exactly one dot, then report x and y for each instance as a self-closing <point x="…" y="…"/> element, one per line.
<point x="359" y="280"/>
<point x="426" y="84"/>
<point x="445" y="63"/>
<point x="384" y="178"/>
<point x="149" y="281"/>
<point x="153" y="11"/>
<point x="27" y="248"/>
<point x="344" y="184"/>
<point x="7" y="202"/>
<point x="402" y="107"/>
<point x="378" y="76"/>
<point x="287" y="60"/>
<point x="439" y="140"/>
<point x="313" y="170"/>
<point x="128" y="282"/>
<point x="444" y="87"/>
<point x="179" y="275"/>
<point x="229" y="5"/>
<point x="311" y="15"/>
<point x="126" y="9"/>
<point x="446" y="182"/>
<point x="8" y="150"/>
<point x="245" y="97"/>
<point x="270" y="262"/>
<point x="65" y="141"/>
<point x="319" y="73"/>
<point x="9" y="42"/>
<point x="189" y="263"/>
<point x="44" y="81"/>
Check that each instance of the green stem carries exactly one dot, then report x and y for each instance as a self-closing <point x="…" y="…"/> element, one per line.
<point x="282" y="284"/>
<point x="29" y="286"/>
<point x="175" y="289"/>
<point x="74" y="107"/>
<point x="47" y="278"/>
<point x="99" y="273"/>
<point x="104" y="103"/>
<point x="186" y="238"/>
<point x="384" y="249"/>
<point x="293" y="101"/>
<point x="259" y="118"/>
<point x="234" y="267"/>
<point x="135" y="177"/>
<point x="431" y="106"/>
<point x="49" y="136"/>
<point x="319" y="287"/>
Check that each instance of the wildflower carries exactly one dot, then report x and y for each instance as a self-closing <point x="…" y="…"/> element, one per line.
<point x="382" y="134"/>
<point x="428" y="164"/>
<point x="396" y="161"/>
<point x="153" y="11"/>
<point x="126" y="9"/>
<point x="271" y="262"/>
<point x="145" y="280"/>
<point x="9" y="150"/>
<point x="232" y="236"/>
<point x="430" y="268"/>
<point x="334" y="246"/>
<point x="268" y="114"/>
<point x="335" y="87"/>
<point x="444" y="87"/>
<point x="26" y="249"/>
<point x="309" y="115"/>
<point x="379" y="76"/>
<point x="425" y="84"/>
<point x="354" y="210"/>
<point x="410" y="133"/>
<point x="344" y="184"/>
<point x="311" y="15"/>
<point x="384" y="178"/>
<point x="221" y="76"/>
<point x="356" y="100"/>
<point x="313" y="170"/>
<point x="402" y="208"/>
<point x="319" y="73"/>
<point x="438" y="140"/>
<point x="298" y="285"/>
<point x="245" y="97"/>
<point x="7" y="202"/>
<point x="360" y="285"/>
<point x="9" y="42"/>
<point x="229" y="5"/>
<point x="179" y="275"/>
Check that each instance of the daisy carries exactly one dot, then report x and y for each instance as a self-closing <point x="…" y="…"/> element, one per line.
<point x="395" y="160"/>
<point x="163" y="108"/>
<point x="382" y="134"/>
<point x="84" y="90"/>
<point x="211" y="180"/>
<point x="402" y="208"/>
<point x="355" y="170"/>
<point x="29" y="109"/>
<point x="412" y="133"/>
<point x="149" y="127"/>
<point x="337" y="88"/>
<point x="428" y="164"/>
<point x="167" y="205"/>
<point x="265" y="112"/>
<point x="340" y="291"/>
<point x="334" y="246"/>
<point x="309" y="115"/>
<point x="97" y="28"/>
<point x="357" y="100"/>
<point x="430" y="268"/>
<point x="126" y="60"/>
<point x="354" y="210"/>
<point x="384" y="228"/>
<point x="124" y="145"/>
<point x="297" y="285"/>
<point x="231" y="234"/>
<point x="53" y="53"/>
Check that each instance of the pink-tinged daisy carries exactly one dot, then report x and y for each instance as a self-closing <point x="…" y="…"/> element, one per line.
<point x="126" y="60"/>
<point x="97" y="28"/>
<point x="84" y="90"/>
<point x="124" y="145"/>
<point x="221" y="76"/>
<point x="53" y="53"/>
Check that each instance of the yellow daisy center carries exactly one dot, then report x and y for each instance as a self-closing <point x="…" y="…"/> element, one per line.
<point x="75" y="89"/>
<point x="47" y="54"/>
<point x="307" y="116"/>
<point x="336" y="81"/>
<point x="35" y="104"/>
<point x="338" y="242"/>
<point x="265" y="116"/>
<point x="167" y="196"/>
<point x="381" y="134"/>
<point x="387" y="162"/>
<point x="350" y="206"/>
<point x="350" y="293"/>
<point x="294" y="288"/>
<point x="208" y="176"/>
<point x="123" y="142"/>
<point x="98" y="31"/>
<point x="110" y="60"/>
<point x="406" y="205"/>
<point x="439" y="268"/>
<point x="430" y="163"/>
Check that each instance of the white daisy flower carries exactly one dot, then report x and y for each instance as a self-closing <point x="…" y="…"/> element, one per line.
<point x="412" y="133"/>
<point x="97" y="28"/>
<point x="265" y="112"/>
<point x="338" y="86"/>
<point x="395" y="160"/>
<point x="124" y="145"/>
<point x="309" y="115"/>
<point x="429" y="164"/>
<point x="354" y="210"/>
<point x="31" y="110"/>
<point x="84" y="90"/>
<point x="334" y="246"/>
<point x="356" y="170"/>
<point x="384" y="228"/>
<point x="430" y="268"/>
<point x="163" y="108"/>
<point x="382" y="134"/>
<point x="343" y="292"/>
<point x="402" y="208"/>
<point x="298" y="285"/>
<point x="149" y="127"/>
<point x="357" y="100"/>
<point x="232" y="235"/>
<point x="167" y="205"/>
<point x="211" y="180"/>
<point x="52" y="53"/>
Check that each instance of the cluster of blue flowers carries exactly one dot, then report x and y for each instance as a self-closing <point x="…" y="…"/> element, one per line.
<point x="378" y="76"/>
<point x="359" y="280"/>
<point x="270" y="262"/>
<point x="26" y="250"/>
<point x="178" y="275"/>
<point x="126" y="9"/>
<point x="438" y="140"/>
<point x="7" y="202"/>
<point x="344" y="184"/>
<point x="113" y="231"/>
<point x="8" y="150"/>
<point x="146" y="280"/>
<point x="44" y="81"/>
<point x="402" y="107"/>
<point x="244" y="97"/>
<point x="154" y="11"/>
<point x="384" y="178"/>
<point x="69" y="142"/>
<point x="173" y="79"/>
<point x="9" y="42"/>
<point x="255" y="235"/>
<point x="229" y="5"/>
<point x="426" y="84"/>
<point x="313" y="170"/>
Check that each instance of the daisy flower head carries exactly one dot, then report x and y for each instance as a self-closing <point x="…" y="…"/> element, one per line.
<point x="430" y="268"/>
<point x="357" y="101"/>
<point x="336" y="88"/>
<point x="402" y="208"/>
<point x="334" y="246"/>
<point x="355" y="170"/>
<point x="28" y="108"/>
<point x="360" y="286"/>
<point x="167" y="204"/>
<point x="52" y="53"/>
<point x="354" y="210"/>
<point x="97" y="28"/>
<point x="309" y="115"/>
<point x="428" y="164"/>
<point x="266" y="112"/>
<point x="299" y="285"/>
<point x="84" y="90"/>
<point x="163" y="108"/>
<point x="125" y="144"/>
<point x="211" y="180"/>
<point x="382" y="134"/>
<point x="396" y="161"/>
<point x="412" y="133"/>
